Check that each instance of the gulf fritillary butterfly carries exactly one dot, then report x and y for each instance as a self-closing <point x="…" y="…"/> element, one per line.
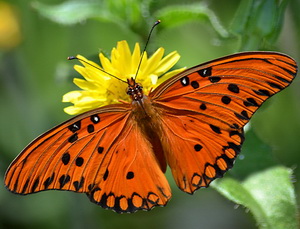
<point x="193" y="122"/>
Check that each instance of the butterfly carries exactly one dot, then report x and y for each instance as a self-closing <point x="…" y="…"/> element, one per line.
<point x="193" y="123"/>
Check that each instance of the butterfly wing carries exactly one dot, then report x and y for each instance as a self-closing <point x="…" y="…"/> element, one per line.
<point x="205" y="108"/>
<point x="100" y="153"/>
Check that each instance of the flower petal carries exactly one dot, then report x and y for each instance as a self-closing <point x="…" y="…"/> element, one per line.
<point x="135" y="58"/>
<point x="169" y="75"/>
<point x="153" y="61"/>
<point x="85" y="85"/>
<point x="167" y="63"/>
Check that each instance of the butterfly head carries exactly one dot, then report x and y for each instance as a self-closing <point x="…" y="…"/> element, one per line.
<point x="134" y="90"/>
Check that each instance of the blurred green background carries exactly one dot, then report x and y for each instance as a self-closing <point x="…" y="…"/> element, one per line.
<point x="37" y="36"/>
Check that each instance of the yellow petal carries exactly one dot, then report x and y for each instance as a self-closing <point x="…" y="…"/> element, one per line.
<point x="169" y="75"/>
<point x="167" y="63"/>
<point x="107" y="66"/>
<point x="122" y="58"/>
<point x="71" y="96"/>
<point x="153" y="61"/>
<point x="85" y="85"/>
<point x="72" y="110"/>
<point x="136" y="57"/>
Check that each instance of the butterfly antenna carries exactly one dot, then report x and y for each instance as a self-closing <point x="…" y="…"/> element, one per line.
<point x="138" y="68"/>
<point x="76" y="58"/>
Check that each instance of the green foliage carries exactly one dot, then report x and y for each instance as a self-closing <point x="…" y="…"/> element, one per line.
<point x="128" y="14"/>
<point x="269" y="195"/>
<point x="72" y="12"/>
<point x="35" y="75"/>
<point x="256" y="23"/>
<point x="181" y="14"/>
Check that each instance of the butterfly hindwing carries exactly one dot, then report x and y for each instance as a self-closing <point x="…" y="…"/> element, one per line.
<point x="205" y="108"/>
<point x="95" y="153"/>
<point x="133" y="178"/>
<point x="204" y="152"/>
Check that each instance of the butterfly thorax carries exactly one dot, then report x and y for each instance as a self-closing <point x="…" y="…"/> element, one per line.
<point x="134" y="90"/>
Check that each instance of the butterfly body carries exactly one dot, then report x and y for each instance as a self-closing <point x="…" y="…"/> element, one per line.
<point x="193" y="122"/>
<point x="148" y="120"/>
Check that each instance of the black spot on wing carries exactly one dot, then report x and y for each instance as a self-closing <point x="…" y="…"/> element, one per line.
<point x="75" y="126"/>
<point x="225" y="99"/>
<point x="195" y="84"/>
<point x="205" y="72"/>
<point x="105" y="175"/>
<point x="185" y="81"/>
<point x="130" y="175"/>
<point x="100" y="149"/>
<point x="277" y="86"/>
<point x="214" y="79"/>
<point x="250" y="102"/>
<point x="65" y="158"/>
<point x="203" y="106"/>
<point x="262" y="92"/>
<point x="35" y="184"/>
<point x="90" y="128"/>
<point x="78" y="184"/>
<point x="24" y="187"/>
<point x="95" y="119"/>
<point x="197" y="147"/>
<point x="79" y="161"/>
<point x="63" y="180"/>
<point x="73" y="138"/>
<point x="49" y="181"/>
<point x="243" y="115"/>
<point x="215" y="129"/>
<point x="233" y="88"/>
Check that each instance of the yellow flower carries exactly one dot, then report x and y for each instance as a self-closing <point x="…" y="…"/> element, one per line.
<point x="99" y="88"/>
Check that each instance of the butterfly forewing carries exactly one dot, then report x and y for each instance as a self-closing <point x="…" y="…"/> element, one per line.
<point x="205" y="108"/>
<point x="60" y="158"/>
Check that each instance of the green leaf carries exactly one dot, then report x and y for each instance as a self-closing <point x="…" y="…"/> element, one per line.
<point x="125" y="13"/>
<point x="283" y="136"/>
<point x="120" y="12"/>
<point x="180" y="14"/>
<point x="258" y="23"/>
<point x="269" y="195"/>
<point x="255" y="156"/>
<point x="241" y="17"/>
<point x="71" y="12"/>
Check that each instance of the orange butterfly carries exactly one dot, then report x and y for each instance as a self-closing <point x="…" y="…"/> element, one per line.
<point x="193" y="122"/>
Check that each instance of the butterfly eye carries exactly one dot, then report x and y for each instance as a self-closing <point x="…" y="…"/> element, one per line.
<point x="130" y="91"/>
<point x="135" y="92"/>
<point x="138" y="88"/>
